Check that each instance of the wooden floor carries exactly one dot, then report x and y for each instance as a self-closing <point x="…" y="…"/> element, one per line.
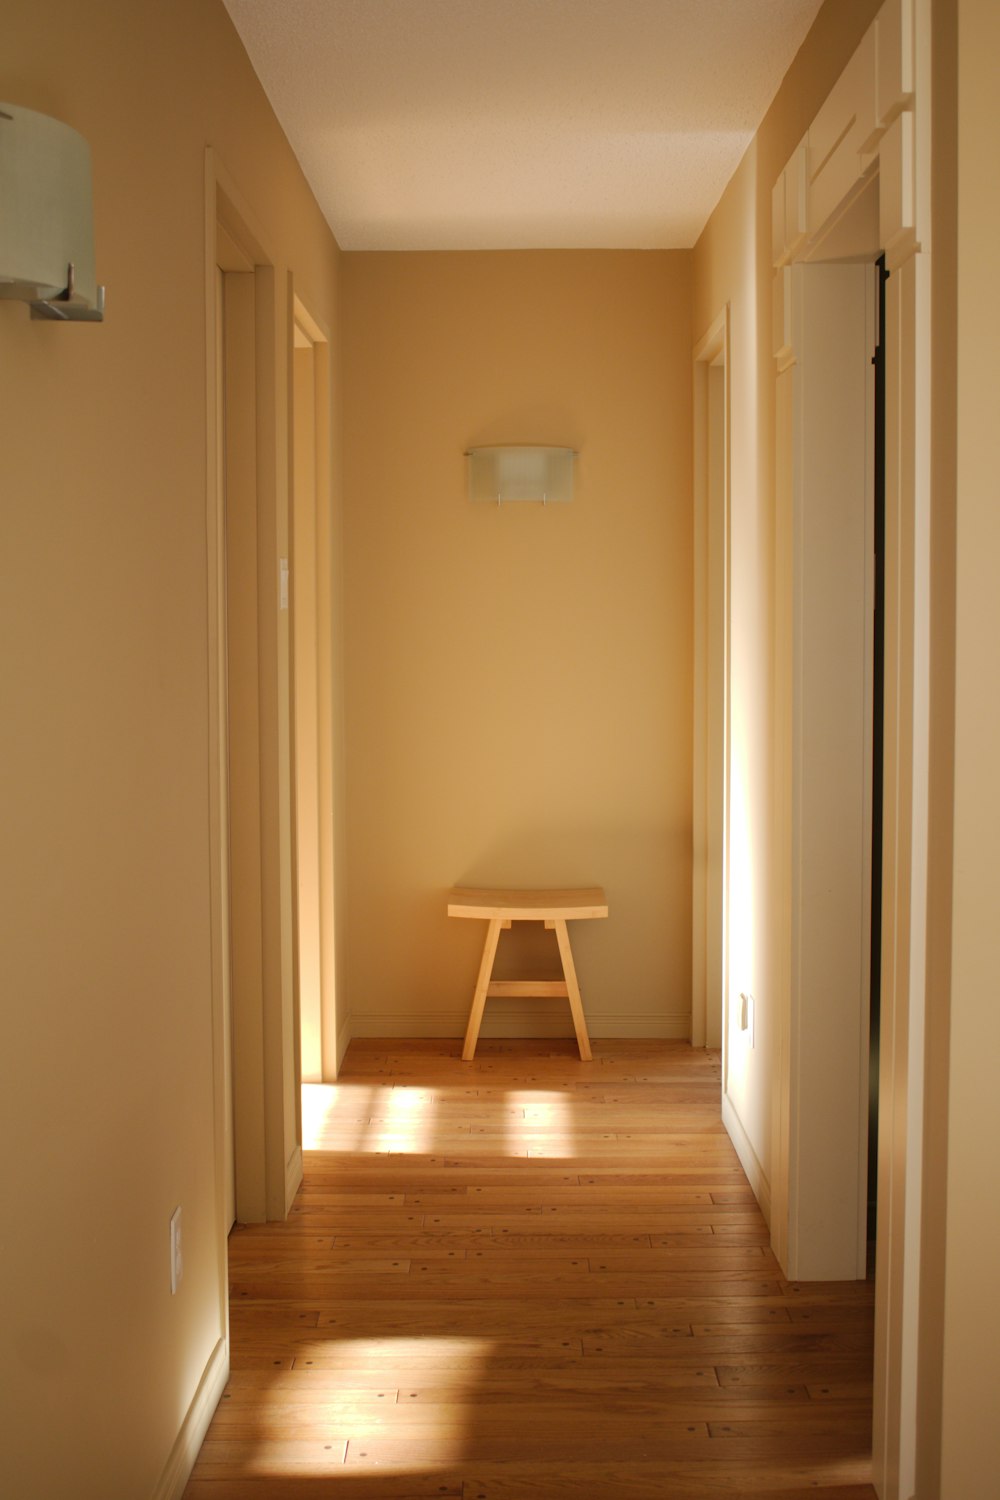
<point x="528" y="1276"/>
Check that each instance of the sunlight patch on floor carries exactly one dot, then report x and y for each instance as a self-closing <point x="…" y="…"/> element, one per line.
<point x="405" y="1122"/>
<point x="335" y="1116"/>
<point x="354" y="1410"/>
<point x="355" y="1119"/>
<point x="546" y="1111"/>
<point x="464" y="1355"/>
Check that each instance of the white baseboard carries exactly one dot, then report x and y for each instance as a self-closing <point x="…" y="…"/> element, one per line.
<point x="178" y="1468"/>
<point x="749" y="1161"/>
<point x="293" y="1176"/>
<point x="675" y="1027"/>
<point x="541" y="1020"/>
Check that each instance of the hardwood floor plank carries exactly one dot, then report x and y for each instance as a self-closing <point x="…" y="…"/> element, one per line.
<point x="847" y="1367"/>
<point x="544" y="1447"/>
<point x="301" y="1387"/>
<point x="226" y="1455"/>
<point x="340" y="1485"/>
<point x="646" y="1481"/>
<point x="452" y="1352"/>
<point x="580" y="1196"/>
<point x="509" y="1481"/>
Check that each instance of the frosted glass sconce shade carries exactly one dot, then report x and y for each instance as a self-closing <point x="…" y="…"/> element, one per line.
<point x="46" y="217"/>
<point x="521" y="473"/>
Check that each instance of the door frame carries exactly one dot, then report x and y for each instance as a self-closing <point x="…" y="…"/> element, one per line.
<point x="906" y="777"/>
<point x="266" y="1148"/>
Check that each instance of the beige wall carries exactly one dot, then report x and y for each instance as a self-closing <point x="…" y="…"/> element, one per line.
<point x="518" y="678"/>
<point x="107" y="1090"/>
<point x="732" y="264"/>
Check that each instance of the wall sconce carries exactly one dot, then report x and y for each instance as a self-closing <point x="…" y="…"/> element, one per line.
<point x="47" y="222"/>
<point x="521" y="473"/>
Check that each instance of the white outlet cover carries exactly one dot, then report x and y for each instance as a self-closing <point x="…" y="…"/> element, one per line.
<point x="176" y="1252"/>
<point x="747" y="1016"/>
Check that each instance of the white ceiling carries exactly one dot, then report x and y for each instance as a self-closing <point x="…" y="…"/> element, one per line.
<point x="517" y="124"/>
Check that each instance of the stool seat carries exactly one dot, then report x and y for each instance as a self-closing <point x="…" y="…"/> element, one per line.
<point x="501" y="907"/>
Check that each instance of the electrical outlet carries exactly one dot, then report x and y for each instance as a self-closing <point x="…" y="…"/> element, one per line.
<point x="176" y="1252"/>
<point x="747" y="1015"/>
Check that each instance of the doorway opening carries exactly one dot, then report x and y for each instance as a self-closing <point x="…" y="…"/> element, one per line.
<point x="824" y="716"/>
<point x="239" y="854"/>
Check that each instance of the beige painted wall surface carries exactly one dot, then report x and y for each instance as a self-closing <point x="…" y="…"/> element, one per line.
<point x="732" y="264"/>
<point x="518" y="677"/>
<point x="970" y="1456"/>
<point x="107" y="1090"/>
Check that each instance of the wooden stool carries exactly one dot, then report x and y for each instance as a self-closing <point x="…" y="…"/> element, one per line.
<point x="500" y="908"/>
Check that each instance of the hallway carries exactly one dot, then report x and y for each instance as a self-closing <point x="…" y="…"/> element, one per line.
<point x="529" y="1276"/>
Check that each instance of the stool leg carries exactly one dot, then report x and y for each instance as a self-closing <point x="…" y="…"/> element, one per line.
<point x="573" y="990"/>
<point x="482" y="985"/>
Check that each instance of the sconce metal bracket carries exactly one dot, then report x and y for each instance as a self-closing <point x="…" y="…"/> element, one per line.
<point x="67" y="307"/>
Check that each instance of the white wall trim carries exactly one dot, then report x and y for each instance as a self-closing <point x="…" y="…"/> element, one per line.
<point x="749" y="1160"/>
<point x="177" y="1471"/>
<point x="293" y="1175"/>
